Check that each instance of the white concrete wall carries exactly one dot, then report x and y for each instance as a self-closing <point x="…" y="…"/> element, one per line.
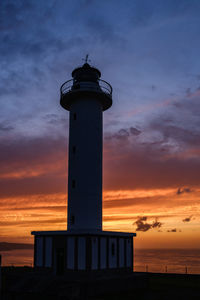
<point x="121" y="252"/>
<point x="48" y="252"/>
<point x="39" y="251"/>
<point x="81" y="253"/>
<point x="70" y="252"/>
<point x="94" y="253"/>
<point x="125" y="252"/>
<point x="112" y="256"/>
<point x="128" y="252"/>
<point x="85" y="165"/>
<point x="103" y="253"/>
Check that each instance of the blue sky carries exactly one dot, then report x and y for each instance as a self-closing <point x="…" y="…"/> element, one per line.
<point x="147" y="50"/>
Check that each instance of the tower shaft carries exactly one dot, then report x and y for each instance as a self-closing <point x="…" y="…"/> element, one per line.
<point x="85" y="165"/>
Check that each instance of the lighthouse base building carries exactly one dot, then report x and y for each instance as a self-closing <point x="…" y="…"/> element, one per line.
<point x="84" y="246"/>
<point x="64" y="251"/>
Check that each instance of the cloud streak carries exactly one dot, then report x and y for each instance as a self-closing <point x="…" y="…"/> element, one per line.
<point x="14" y="246"/>
<point x="142" y="224"/>
<point x="172" y="230"/>
<point x="188" y="219"/>
<point x="184" y="190"/>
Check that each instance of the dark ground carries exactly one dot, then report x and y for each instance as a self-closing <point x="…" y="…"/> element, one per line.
<point x="26" y="283"/>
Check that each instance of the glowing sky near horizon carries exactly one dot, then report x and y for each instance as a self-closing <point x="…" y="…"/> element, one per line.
<point x="149" y="52"/>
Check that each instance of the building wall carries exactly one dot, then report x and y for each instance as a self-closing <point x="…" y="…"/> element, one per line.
<point x="94" y="265"/>
<point x="39" y="251"/>
<point x="81" y="253"/>
<point x="103" y="252"/>
<point x="70" y="253"/>
<point x="48" y="251"/>
<point x="121" y="253"/>
<point x="128" y="253"/>
<point x="112" y="253"/>
<point x="84" y="252"/>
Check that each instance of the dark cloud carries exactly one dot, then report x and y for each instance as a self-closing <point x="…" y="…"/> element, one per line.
<point x="107" y="31"/>
<point x="147" y="165"/>
<point x="33" y="166"/>
<point x="30" y="44"/>
<point x="156" y="224"/>
<point x="188" y="92"/>
<point x="55" y="208"/>
<point x="37" y="221"/>
<point x="154" y="201"/>
<point x="173" y="129"/>
<point x="124" y="133"/>
<point x="189" y="107"/>
<point x="42" y="184"/>
<point x="23" y="151"/>
<point x="5" y="127"/>
<point x="183" y="190"/>
<point x="134" y="131"/>
<point x="169" y="155"/>
<point x="4" y="246"/>
<point x="172" y="132"/>
<point x="125" y="217"/>
<point x="172" y="230"/>
<point x="142" y="225"/>
<point x="145" y="13"/>
<point x="188" y="219"/>
<point x="54" y="119"/>
<point x="143" y="218"/>
<point x="36" y="200"/>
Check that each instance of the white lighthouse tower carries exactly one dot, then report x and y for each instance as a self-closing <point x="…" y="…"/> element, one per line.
<point x="86" y="97"/>
<point x="84" y="246"/>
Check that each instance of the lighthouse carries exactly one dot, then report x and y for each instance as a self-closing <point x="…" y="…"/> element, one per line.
<point x="84" y="246"/>
<point x="86" y="96"/>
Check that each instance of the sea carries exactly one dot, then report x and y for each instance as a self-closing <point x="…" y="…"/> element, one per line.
<point x="167" y="261"/>
<point x="145" y="260"/>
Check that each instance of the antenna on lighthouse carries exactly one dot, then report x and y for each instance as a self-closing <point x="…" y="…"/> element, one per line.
<point x="86" y="60"/>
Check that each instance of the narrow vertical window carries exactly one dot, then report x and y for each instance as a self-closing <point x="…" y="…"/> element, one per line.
<point x="74" y="116"/>
<point x="73" y="184"/>
<point x="113" y="249"/>
<point x="72" y="219"/>
<point x="74" y="149"/>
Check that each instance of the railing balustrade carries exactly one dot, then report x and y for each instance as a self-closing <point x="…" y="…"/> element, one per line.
<point x="100" y="86"/>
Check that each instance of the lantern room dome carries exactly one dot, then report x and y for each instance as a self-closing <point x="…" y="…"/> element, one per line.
<point x="86" y="82"/>
<point x="86" y="73"/>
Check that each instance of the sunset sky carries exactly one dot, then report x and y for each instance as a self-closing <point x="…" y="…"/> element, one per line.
<point x="149" y="51"/>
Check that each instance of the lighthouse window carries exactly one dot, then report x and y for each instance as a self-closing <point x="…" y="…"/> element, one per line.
<point x="72" y="220"/>
<point x="74" y="116"/>
<point x="74" y="149"/>
<point x="113" y="249"/>
<point x="73" y="184"/>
